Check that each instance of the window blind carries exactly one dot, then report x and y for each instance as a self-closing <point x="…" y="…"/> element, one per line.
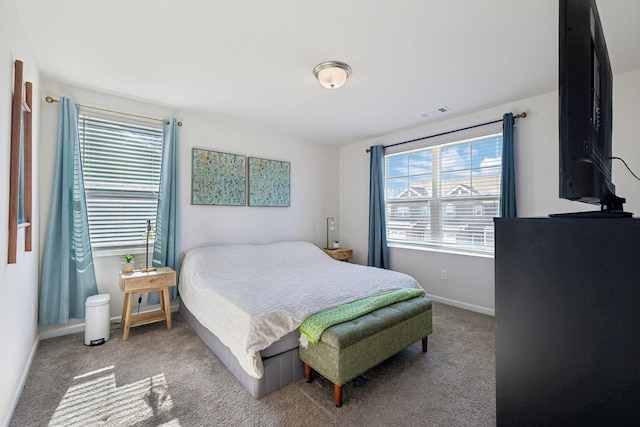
<point x="446" y="195"/>
<point x="121" y="170"/>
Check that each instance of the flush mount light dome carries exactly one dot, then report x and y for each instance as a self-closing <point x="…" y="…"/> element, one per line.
<point x="332" y="74"/>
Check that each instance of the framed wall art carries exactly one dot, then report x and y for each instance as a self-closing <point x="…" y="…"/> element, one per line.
<point x="269" y="183"/>
<point x="218" y="178"/>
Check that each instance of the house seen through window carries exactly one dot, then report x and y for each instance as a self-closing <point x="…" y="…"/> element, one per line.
<point x="445" y="196"/>
<point x="121" y="171"/>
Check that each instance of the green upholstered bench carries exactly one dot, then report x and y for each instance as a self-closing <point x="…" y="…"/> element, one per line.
<point x="349" y="349"/>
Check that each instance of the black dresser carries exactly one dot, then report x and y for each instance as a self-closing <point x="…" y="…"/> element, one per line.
<point x="567" y="321"/>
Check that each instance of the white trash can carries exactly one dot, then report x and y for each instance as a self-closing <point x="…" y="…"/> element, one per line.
<point x="97" y="325"/>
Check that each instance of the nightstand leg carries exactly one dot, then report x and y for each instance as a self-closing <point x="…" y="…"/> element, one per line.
<point x="124" y="310"/>
<point x="127" y="316"/>
<point x="167" y="305"/>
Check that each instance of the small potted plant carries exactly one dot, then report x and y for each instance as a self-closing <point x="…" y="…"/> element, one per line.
<point x="128" y="264"/>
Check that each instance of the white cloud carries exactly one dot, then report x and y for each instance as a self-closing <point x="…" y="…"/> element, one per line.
<point x="489" y="162"/>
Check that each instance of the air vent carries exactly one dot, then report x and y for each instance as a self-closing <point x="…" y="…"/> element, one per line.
<point x="435" y="112"/>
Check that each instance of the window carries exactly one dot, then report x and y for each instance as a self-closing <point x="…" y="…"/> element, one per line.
<point x="121" y="171"/>
<point x="445" y="196"/>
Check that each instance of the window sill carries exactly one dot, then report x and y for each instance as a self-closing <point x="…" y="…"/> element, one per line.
<point x="99" y="253"/>
<point x="440" y="250"/>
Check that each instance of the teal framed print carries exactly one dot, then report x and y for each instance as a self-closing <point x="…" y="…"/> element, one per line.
<point x="218" y="178"/>
<point x="269" y="183"/>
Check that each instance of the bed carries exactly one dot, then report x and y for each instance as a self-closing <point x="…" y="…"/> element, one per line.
<point x="247" y="301"/>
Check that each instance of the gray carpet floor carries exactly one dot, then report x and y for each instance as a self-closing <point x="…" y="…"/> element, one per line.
<point x="169" y="378"/>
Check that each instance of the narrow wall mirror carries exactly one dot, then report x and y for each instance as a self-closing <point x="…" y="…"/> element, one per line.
<point x="20" y="180"/>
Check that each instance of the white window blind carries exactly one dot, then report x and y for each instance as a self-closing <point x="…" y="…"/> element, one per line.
<point x="445" y="196"/>
<point x="121" y="170"/>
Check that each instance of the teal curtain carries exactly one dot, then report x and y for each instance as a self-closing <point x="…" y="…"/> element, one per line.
<point x="68" y="275"/>
<point x="508" y="183"/>
<point x="166" y="250"/>
<point x="378" y="250"/>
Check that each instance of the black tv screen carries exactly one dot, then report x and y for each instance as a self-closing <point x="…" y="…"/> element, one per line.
<point x="585" y="107"/>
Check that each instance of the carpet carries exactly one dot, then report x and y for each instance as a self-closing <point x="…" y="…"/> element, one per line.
<point x="169" y="378"/>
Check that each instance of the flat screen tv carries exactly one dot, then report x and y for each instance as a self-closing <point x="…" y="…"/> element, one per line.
<point x="585" y="108"/>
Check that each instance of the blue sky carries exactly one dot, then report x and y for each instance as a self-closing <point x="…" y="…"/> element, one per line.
<point x="467" y="161"/>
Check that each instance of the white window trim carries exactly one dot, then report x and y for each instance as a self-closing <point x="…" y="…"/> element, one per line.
<point x="439" y="249"/>
<point x="444" y="140"/>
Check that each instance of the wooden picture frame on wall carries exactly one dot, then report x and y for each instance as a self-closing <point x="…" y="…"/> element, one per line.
<point x="20" y="178"/>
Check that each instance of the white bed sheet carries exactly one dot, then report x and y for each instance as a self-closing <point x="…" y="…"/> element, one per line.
<point x="250" y="296"/>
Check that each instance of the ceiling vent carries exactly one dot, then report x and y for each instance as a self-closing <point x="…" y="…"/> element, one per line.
<point x="435" y="112"/>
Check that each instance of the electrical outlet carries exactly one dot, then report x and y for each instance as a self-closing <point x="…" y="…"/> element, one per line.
<point x="444" y="275"/>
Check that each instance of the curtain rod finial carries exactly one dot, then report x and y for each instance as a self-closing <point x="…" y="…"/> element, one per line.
<point x="50" y="100"/>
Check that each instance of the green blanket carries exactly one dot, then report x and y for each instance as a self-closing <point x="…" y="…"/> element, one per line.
<point x="314" y="325"/>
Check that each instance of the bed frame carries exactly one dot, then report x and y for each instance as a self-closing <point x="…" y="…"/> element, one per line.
<point x="282" y="364"/>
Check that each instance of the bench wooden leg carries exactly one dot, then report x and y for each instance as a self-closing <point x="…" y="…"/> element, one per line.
<point x="307" y="373"/>
<point x="337" y="394"/>
<point x="425" y="342"/>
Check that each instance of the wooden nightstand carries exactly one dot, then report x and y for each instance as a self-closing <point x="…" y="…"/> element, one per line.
<point x="339" y="254"/>
<point x="140" y="282"/>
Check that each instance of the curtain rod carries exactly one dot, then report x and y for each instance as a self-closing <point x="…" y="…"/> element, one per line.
<point x="51" y="100"/>
<point x="517" y="116"/>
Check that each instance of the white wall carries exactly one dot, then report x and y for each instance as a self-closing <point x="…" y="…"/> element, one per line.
<point x="626" y="138"/>
<point x="470" y="281"/>
<point x="19" y="281"/>
<point x="314" y="185"/>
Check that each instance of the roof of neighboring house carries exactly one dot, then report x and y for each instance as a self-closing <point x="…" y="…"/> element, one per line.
<point x="413" y="191"/>
<point x="462" y="190"/>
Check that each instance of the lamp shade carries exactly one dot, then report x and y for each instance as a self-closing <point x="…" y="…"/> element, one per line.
<point x="332" y="74"/>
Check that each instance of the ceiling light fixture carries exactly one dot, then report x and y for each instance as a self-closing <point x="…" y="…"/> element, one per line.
<point x="332" y="74"/>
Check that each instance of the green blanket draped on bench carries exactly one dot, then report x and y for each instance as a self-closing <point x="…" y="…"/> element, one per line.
<point x="312" y="328"/>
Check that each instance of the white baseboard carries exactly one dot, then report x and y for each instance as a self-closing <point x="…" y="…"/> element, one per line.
<point x="79" y="327"/>
<point x="460" y="304"/>
<point x="21" y="382"/>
